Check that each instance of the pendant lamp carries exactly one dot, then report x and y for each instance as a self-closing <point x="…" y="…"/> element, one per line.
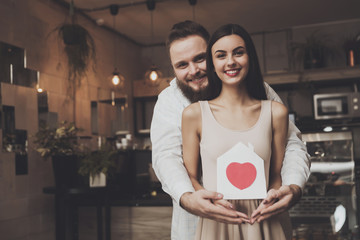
<point x="116" y="78"/>
<point x="193" y="3"/>
<point x="153" y="75"/>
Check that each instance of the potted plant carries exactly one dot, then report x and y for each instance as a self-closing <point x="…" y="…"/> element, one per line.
<point x="60" y="144"/>
<point x="314" y="51"/>
<point x="98" y="165"/>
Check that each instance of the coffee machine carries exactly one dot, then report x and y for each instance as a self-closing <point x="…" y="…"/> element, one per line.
<point x="330" y="198"/>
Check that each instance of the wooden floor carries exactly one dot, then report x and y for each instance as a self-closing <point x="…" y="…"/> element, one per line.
<point x="129" y="223"/>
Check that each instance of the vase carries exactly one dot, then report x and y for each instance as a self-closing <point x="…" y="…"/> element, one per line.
<point x="99" y="180"/>
<point x="353" y="57"/>
<point x="65" y="171"/>
<point x="73" y="34"/>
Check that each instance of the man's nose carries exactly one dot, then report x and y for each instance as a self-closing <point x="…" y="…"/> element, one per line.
<point x="194" y="68"/>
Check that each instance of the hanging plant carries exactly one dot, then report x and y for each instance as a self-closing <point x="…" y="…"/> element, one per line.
<point x="79" y="47"/>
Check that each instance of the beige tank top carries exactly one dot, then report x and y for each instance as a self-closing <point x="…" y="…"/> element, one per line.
<point x="217" y="139"/>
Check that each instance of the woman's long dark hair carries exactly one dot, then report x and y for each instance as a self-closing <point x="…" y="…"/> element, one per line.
<point x="253" y="81"/>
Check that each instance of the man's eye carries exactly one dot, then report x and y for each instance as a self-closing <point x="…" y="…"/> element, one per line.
<point x="181" y="65"/>
<point x="200" y="59"/>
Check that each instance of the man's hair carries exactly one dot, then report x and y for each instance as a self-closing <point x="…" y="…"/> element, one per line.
<point x="184" y="29"/>
<point x="254" y="81"/>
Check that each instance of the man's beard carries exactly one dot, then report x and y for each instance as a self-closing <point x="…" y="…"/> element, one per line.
<point x="190" y="94"/>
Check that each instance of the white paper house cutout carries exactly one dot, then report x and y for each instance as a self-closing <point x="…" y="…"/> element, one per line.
<point x="245" y="169"/>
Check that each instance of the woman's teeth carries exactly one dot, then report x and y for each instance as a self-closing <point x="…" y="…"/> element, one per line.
<point x="232" y="72"/>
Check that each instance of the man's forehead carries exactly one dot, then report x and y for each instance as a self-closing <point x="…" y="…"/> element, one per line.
<point x="185" y="49"/>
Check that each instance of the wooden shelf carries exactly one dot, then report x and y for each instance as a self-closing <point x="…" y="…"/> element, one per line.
<point x="313" y="75"/>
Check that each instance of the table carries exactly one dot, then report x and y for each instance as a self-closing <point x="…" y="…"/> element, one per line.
<point x="68" y="200"/>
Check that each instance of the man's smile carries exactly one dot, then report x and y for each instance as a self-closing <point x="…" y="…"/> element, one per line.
<point x="198" y="79"/>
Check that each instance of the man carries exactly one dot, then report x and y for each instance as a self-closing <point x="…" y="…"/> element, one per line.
<point x="187" y="44"/>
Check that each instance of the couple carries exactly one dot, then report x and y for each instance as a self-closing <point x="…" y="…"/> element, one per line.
<point x="237" y="92"/>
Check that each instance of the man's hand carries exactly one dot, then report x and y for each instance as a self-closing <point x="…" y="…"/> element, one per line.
<point x="277" y="201"/>
<point x="201" y="203"/>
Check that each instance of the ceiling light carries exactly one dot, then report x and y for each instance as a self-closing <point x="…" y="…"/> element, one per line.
<point x="100" y="21"/>
<point x="153" y="75"/>
<point x="116" y="79"/>
<point x="38" y="88"/>
<point x="328" y="129"/>
<point x="193" y="3"/>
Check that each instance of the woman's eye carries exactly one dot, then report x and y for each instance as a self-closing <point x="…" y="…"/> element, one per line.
<point x="220" y="55"/>
<point x="239" y="53"/>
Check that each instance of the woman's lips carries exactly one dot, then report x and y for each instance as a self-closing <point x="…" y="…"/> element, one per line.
<point x="232" y="73"/>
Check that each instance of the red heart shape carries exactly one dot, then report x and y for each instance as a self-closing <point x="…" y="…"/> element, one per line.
<point x="241" y="175"/>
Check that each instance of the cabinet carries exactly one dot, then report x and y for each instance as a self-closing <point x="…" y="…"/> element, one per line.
<point x="143" y="111"/>
<point x="144" y="101"/>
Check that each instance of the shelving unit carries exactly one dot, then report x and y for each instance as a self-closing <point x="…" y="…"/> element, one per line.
<point x="312" y="75"/>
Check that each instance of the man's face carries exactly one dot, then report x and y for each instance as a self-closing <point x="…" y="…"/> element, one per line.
<point x="188" y="58"/>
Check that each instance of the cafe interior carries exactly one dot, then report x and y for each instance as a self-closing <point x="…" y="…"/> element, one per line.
<point x="78" y="83"/>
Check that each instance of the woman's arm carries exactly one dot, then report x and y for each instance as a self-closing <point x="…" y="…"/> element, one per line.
<point x="280" y="122"/>
<point x="190" y="130"/>
<point x="296" y="166"/>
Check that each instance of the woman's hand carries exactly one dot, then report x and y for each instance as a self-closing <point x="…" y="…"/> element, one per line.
<point x="277" y="201"/>
<point x="268" y="201"/>
<point x="202" y="203"/>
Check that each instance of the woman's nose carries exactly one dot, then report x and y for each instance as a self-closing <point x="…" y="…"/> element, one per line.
<point x="230" y="61"/>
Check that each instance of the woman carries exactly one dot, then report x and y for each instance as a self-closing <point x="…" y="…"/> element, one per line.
<point x="236" y="111"/>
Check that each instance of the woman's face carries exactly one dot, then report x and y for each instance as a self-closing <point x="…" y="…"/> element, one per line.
<point x="230" y="59"/>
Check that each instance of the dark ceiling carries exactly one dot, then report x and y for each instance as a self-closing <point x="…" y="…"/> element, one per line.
<point x="134" y="19"/>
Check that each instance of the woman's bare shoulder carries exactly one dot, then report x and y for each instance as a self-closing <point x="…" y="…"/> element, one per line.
<point x="279" y="110"/>
<point x="193" y="111"/>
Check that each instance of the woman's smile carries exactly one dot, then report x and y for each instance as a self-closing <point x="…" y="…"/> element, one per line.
<point x="232" y="72"/>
